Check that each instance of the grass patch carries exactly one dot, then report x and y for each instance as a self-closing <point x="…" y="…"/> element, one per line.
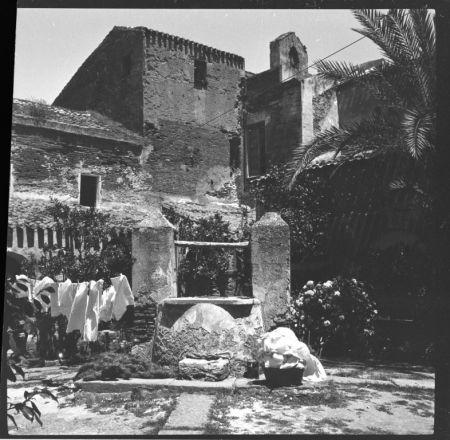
<point x="153" y="405"/>
<point x="384" y="408"/>
<point x="218" y="423"/>
<point x="109" y="366"/>
<point x="376" y="430"/>
<point x="421" y="409"/>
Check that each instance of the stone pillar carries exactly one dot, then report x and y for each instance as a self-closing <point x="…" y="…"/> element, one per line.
<point x="271" y="271"/>
<point x="154" y="277"/>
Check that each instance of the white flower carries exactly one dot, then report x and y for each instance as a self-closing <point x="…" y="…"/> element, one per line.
<point x="337" y="293"/>
<point x="341" y="317"/>
<point x="302" y="318"/>
<point x="320" y="301"/>
<point x="326" y="323"/>
<point x="309" y="292"/>
<point x="304" y="287"/>
<point x="328" y="284"/>
<point x="354" y="281"/>
<point x="310" y="284"/>
<point x="375" y="311"/>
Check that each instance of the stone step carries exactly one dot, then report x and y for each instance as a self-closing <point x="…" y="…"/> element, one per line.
<point x="190" y="415"/>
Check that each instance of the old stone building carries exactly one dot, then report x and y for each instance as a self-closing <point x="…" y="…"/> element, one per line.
<point x="151" y="118"/>
<point x="181" y="97"/>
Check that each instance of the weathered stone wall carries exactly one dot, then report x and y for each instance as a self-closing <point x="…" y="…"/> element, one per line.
<point x="100" y="85"/>
<point x="188" y="327"/>
<point x="154" y="274"/>
<point x="325" y="105"/>
<point x="281" y="110"/>
<point x="354" y="104"/>
<point x="270" y="258"/>
<point x="279" y="56"/>
<point x="49" y="162"/>
<point x="188" y="158"/>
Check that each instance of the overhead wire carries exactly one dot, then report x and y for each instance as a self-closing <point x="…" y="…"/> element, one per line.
<point x="274" y="85"/>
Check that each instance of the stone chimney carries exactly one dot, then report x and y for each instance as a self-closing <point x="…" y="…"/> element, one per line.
<point x="288" y="52"/>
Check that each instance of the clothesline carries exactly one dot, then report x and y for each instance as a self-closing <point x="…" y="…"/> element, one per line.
<point x="84" y="304"/>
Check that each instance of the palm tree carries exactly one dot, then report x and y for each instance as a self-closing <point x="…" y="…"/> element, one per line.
<point x="404" y="83"/>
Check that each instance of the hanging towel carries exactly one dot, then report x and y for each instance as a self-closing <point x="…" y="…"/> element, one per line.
<point x="40" y="286"/>
<point x="93" y="311"/>
<point x="28" y="282"/>
<point x="106" y="308"/>
<point x="66" y="294"/>
<point x="55" y="308"/>
<point x="124" y="296"/>
<point x="78" y="313"/>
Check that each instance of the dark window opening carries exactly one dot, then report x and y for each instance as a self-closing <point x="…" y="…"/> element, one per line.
<point x="256" y="149"/>
<point x="200" y="70"/>
<point x="40" y="238"/>
<point x="30" y="237"/>
<point x="50" y="237"/>
<point x="235" y="153"/>
<point x="126" y="66"/>
<point x="293" y="57"/>
<point x="10" y="237"/>
<point x="88" y="190"/>
<point x="20" y="237"/>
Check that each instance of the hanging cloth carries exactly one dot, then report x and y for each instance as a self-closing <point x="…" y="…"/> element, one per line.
<point x="29" y="283"/>
<point x="124" y="296"/>
<point x="93" y="311"/>
<point x="66" y="294"/>
<point x="40" y="286"/>
<point x="106" y="308"/>
<point x="77" y="316"/>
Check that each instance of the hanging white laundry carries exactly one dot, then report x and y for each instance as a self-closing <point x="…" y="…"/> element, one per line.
<point x="28" y="282"/>
<point x="66" y="294"/>
<point x="78" y="313"/>
<point x="55" y="308"/>
<point x="46" y="282"/>
<point x="106" y="308"/>
<point x="124" y="296"/>
<point x="93" y="311"/>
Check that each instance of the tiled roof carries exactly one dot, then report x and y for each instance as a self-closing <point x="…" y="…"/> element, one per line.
<point x="80" y="119"/>
<point x="31" y="213"/>
<point x="196" y="212"/>
<point x="328" y="158"/>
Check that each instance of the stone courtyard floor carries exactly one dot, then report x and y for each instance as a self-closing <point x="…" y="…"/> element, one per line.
<point x="358" y="398"/>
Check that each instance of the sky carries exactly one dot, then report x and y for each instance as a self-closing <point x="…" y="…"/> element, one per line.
<point x="51" y="44"/>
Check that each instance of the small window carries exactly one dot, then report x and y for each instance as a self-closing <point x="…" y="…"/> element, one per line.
<point x="293" y="57"/>
<point x="126" y="66"/>
<point x="89" y="190"/>
<point x="256" y="149"/>
<point x="200" y="70"/>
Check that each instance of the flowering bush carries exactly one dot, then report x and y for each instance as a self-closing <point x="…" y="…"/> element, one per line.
<point x="336" y="314"/>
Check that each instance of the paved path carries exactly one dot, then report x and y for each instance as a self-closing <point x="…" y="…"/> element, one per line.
<point x="190" y="416"/>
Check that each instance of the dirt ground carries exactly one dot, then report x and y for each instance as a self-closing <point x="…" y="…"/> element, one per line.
<point x="348" y="404"/>
<point x="363" y="410"/>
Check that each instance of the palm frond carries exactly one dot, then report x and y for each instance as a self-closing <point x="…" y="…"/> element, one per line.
<point x="359" y="137"/>
<point x="419" y="132"/>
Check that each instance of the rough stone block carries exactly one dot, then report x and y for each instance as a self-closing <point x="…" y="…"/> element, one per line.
<point x="203" y="369"/>
<point x="271" y="271"/>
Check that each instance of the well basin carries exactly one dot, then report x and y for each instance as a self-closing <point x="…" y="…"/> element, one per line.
<point x="206" y="327"/>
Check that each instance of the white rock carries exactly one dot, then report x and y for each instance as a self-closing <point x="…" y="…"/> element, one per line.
<point x="212" y="370"/>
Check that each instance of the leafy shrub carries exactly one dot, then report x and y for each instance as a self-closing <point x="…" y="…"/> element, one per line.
<point x="83" y="260"/>
<point x="109" y="366"/>
<point x="302" y="208"/>
<point x="400" y="274"/>
<point x="202" y="269"/>
<point x="336" y="314"/>
<point x="38" y="108"/>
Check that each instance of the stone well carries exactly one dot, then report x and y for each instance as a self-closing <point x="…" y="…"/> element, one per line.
<point x="203" y="327"/>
